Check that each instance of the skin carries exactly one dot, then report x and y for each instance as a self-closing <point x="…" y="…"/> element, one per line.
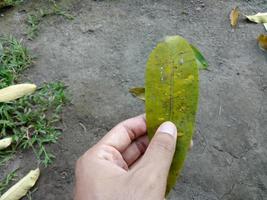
<point x="124" y="165"/>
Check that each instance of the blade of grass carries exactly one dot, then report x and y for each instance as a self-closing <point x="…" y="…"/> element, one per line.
<point x="5" y="183"/>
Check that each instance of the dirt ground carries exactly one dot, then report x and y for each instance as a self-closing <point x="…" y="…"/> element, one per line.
<point x="103" y="52"/>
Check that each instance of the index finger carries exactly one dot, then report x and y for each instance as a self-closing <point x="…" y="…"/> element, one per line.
<point x="122" y="135"/>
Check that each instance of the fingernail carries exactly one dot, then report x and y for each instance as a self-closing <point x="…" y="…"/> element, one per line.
<point x="169" y="128"/>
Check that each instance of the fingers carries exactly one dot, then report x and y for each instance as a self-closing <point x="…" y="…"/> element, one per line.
<point x="135" y="150"/>
<point x="161" y="149"/>
<point x="122" y="135"/>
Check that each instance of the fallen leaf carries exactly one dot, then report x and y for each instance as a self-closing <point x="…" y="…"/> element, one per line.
<point x="138" y="92"/>
<point x="234" y="16"/>
<point x="262" y="41"/>
<point x="259" y="18"/>
<point x="16" y="91"/>
<point x="201" y="61"/>
<point x="171" y="93"/>
<point x="6" y="142"/>
<point x="21" y="188"/>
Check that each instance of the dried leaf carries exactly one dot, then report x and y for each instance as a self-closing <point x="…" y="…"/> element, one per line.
<point x="138" y="92"/>
<point x="234" y="16"/>
<point x="21" y="188"/>
<point x="6" y="142"/>
<point x="259" y="18"/>
<point x="16" y="91"/>
<point x="262" y="41"/>
<point x="171" y="93"/>
<point x="201" y="61"/>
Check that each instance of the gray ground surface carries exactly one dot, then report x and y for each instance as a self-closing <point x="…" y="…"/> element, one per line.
<point x="103" y="52"/>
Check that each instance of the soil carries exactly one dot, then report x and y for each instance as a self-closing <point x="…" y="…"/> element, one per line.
<point x="102" y="53"/>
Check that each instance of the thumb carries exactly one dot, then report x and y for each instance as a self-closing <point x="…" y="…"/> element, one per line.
<point x="161" y="149"/>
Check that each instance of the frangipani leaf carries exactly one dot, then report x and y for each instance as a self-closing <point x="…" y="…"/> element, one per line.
<point x="171" y="87"/>
<point x="5" y="142"/>
<point x="16" y="91"/>
<point x="21" y="188"/>
<point x="259" y="18"/>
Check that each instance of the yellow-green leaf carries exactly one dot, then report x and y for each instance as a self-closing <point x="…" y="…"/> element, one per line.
<point x="6" y="142"/>
<point x="234" y="16"/>
<point x="21" y="188"/>
<point x="171" y="93"/>
<point x="16" y="91"/>
<point x="262" y="41"/>
<point x="138" y="92"/>
<point x="200" y="59"/>
<point x="258" y="18"/>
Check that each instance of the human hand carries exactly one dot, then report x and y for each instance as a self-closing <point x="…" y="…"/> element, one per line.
<point x="123" y="165"/>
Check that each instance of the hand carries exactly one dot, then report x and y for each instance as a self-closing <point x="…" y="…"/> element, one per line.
<point x="124" y="166"/>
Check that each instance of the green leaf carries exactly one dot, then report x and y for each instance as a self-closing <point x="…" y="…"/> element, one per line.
<point x="171" y="87"/>
<point x="138" y="92"/>
<point x="201" y="61"/>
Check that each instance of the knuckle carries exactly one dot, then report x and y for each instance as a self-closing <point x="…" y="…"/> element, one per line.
<point x="141" y="146"/>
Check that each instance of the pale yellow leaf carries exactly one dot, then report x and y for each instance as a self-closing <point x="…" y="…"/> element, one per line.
<point x="16" y="91"/>
<point x="234" y="16"/>
<point x="6" y="142"/>
<point x="21" y="188"/>
<point x="259" y="18"/>
<point x="262" y="41"/>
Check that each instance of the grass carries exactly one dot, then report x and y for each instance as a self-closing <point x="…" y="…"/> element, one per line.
<point x="30" y="120"/>
<point x="5" y="156"/>
<point x="14" y="58"/>
<point x="5" y="183"/>
<point x="33" y="20"/>
<point x="30" y="192"/>
<point x="6" y="3"/>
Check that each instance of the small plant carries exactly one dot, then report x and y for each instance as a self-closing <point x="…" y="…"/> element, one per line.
<point x="29" y="120"/>
<point x="5" y="156"/>
<point x="33" y="20"/>
<point x="5" y="183"/>
<point x="14" y="58"/>
<point x="59" y="11"/>
<point x="6" y="3"/>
